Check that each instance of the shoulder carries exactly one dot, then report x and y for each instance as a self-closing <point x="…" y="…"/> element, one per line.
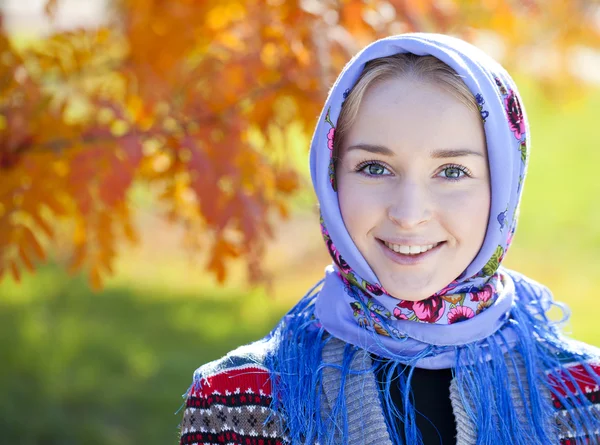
<point x="579" y="372"/>
<point x="243" y="366"/>
<point x="230" y="401"/>
<point x="576" y="389"/>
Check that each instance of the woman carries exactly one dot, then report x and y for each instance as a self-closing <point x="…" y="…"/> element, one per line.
<point x="416" y="334"/>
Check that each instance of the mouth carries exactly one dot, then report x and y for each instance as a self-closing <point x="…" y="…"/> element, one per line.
<point x="409" y="254"/>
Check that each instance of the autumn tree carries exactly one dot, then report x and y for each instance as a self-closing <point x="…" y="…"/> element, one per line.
<point x="180" y="96"/>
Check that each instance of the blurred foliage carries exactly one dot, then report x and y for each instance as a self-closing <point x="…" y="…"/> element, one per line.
<point x="189" y="99"/>
<point x="82" y="368"/>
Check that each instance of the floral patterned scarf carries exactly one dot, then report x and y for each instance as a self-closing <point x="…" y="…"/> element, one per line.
<point x="352" y="299"/>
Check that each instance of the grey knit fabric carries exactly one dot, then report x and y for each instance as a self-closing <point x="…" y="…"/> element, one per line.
<point x="465" y="427"/>
<point x="466" y="433"/>
<point x="366" y="423"/>
<point x="565" y="420"/>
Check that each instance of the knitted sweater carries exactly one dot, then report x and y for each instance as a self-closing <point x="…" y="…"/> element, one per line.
<point x="230" y="401"/>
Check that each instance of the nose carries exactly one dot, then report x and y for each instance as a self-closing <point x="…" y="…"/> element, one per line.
<point x="410" y="205"/>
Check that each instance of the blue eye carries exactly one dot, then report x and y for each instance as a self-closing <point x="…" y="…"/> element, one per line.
<point x="372" y="169"/>
<point x="454" y="172"/>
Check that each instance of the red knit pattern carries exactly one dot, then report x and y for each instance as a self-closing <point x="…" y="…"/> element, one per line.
<point x="247" y="387"/>
<point x="578" y="381"/>
<point x="584" y="381"/>
<point x="253" y="378"/>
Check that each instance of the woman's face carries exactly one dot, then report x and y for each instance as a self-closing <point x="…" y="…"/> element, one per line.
<point x="413" y="177"/>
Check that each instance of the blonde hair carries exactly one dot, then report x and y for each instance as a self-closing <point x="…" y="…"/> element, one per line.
<point x="426" y="68"/>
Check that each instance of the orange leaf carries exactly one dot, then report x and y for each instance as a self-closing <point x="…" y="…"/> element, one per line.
<point x="287" y="182"/>
<point x="53" y="204"/>
<point x="113" y="187"/>
<point x="25" y="258"/>
<point x="217" y="266"/>
<point x="95" y="278"/>
<point x="32" y="242"/>
<point x="283" y="210"/>
<point x="78" y="258"/>
<point x="106" y="262"/>
<point x="130" y="232"/>
<point x="15" y="271"/>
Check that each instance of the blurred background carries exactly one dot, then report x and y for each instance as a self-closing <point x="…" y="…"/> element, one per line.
<point x="155" y="202"/>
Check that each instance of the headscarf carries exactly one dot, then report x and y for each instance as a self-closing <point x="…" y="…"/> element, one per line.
<point x="487" y="317"/>
<point x="482" y="295"/>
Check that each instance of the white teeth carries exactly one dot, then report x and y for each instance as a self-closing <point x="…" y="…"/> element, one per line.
<point x="409" y="250"/>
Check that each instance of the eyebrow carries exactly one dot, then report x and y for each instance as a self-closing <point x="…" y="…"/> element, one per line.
<point x="380" y="149"/>
<point x="454" y="153"/>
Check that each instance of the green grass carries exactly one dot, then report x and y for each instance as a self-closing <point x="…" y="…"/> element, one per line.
<point x="109" y="368"/>
<point x="80" y="368"/>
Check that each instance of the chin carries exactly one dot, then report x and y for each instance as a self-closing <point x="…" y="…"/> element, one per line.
<point x="409" y="293"/>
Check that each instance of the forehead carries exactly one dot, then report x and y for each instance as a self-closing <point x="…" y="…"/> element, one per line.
<point x="404" y="112"/>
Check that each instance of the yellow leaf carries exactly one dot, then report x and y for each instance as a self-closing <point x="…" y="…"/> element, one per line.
<point x="270" y="55"/>
<point x="80" y="233"/>
<point x="42" y="224"/>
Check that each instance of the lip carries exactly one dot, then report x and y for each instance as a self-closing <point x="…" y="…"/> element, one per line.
<point x="409" y="241"/>
<point x="409" y="260"/>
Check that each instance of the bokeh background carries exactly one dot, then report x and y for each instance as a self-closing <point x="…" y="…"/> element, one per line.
<point x="97" y="345"/>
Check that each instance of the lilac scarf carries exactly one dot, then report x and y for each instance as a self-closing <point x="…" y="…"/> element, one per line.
<point x="474" y="305"/>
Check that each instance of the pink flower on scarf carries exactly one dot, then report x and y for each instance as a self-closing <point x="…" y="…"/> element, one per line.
<point x="515" y="115"/>
<point x="324" y="230"/>
<point x="484" y="294"/>
<point x="399" y="315"/>
<point x="375" y="289"/>
<point x="375" y="317"/>
<point x="330" y="135"/>
<point x="337" y="258"/>
<point x="460" y="313"/>
<point x="429" y="310"/>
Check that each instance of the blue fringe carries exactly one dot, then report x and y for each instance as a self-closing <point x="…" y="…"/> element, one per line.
<point x="519" y="415"/>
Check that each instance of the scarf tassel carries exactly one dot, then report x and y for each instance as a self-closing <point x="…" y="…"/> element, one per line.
<point x="520" y="412"/>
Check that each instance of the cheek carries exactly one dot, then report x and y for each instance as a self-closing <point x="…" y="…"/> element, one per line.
<point x="466" y="215"/>
<point x="358" y="208"/>
<point x="349" y="207"/>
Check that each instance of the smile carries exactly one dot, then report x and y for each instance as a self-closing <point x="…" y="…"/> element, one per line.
<point x="416" y="253"/>
<point x="409" y="250"/>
